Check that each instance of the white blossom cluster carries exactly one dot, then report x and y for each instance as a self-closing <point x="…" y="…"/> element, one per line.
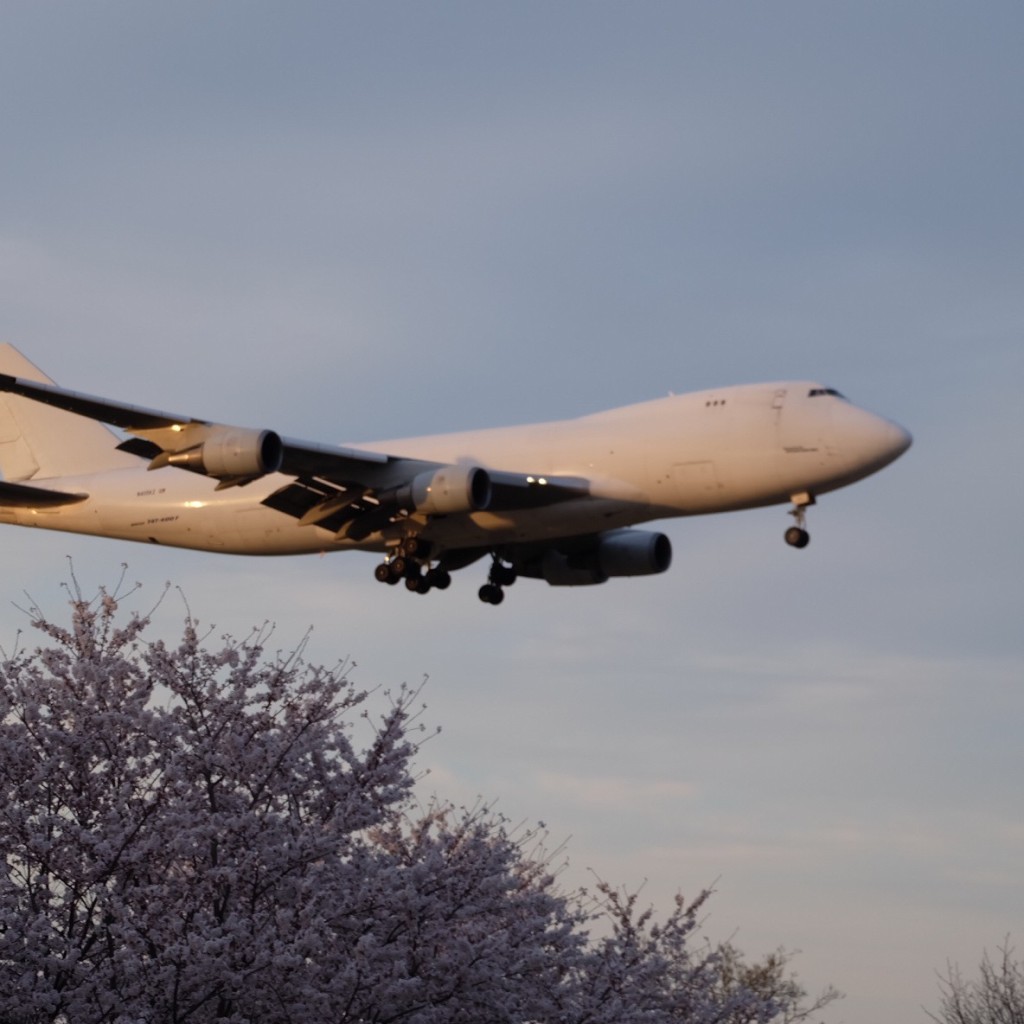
<point x="191" y="835"/>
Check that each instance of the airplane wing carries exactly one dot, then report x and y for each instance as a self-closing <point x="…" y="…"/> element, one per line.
<point x="343" y="489"/>
<point x="161" y="435"/>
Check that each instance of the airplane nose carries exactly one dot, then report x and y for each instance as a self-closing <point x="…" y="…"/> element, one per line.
<point x="885" y="440"/>
<point x="865" y="442"/>
<point x="901" y="439"/>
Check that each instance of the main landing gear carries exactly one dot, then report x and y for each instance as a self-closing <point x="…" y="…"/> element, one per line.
<point x="410" y="562"/>
<point x="500" y="576"/>
<point x="797" y="536"/>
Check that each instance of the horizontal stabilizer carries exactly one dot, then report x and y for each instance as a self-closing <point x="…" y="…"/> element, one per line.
<point x="23" y="496"/>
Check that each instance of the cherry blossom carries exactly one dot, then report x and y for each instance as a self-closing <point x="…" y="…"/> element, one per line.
<point x="193" y="834"/>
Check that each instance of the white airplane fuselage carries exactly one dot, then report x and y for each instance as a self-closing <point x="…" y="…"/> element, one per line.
<point x="698" y="453"/>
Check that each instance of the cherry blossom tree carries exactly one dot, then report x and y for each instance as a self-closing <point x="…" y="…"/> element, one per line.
<point x="996" y="996"/>
<point x="191" y="834"/>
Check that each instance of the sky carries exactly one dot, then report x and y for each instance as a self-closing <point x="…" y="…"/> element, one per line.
<point x="354" y="221"/>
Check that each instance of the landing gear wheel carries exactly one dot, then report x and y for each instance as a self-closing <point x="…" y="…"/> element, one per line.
<point x="503" y="575"/>
<point x="385" y="573"/>
<point x="413" y="547"/>
<point x="413" y="569"/>
<point x="490" y="593"/>
<point x="797" y="537"/>
<point x="440" y="578"/>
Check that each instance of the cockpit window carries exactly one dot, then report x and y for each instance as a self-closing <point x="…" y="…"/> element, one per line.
<point x="814" y="392"/>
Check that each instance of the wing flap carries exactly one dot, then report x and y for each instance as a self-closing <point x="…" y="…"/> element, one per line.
<point x="318" y="502"/>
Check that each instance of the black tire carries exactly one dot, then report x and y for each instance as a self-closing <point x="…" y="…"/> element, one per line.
<point x="440" y="578"/>
<point x="797" y="537"/>
<point x="382" y="573"/>
<point x="503" y="575"/>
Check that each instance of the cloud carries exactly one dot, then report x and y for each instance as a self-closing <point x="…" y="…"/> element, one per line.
<point x="616" y="794"/>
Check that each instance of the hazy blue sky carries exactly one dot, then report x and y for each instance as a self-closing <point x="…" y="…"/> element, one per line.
<point x="355" y="221"/>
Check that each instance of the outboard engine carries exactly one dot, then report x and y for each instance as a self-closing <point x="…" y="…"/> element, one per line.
<point x="229" y="453"/>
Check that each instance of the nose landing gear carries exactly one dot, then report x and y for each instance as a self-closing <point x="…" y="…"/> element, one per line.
<point x="797" y="536"/>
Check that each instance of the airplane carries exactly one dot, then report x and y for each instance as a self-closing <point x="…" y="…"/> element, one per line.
<point x="552" y="501"/>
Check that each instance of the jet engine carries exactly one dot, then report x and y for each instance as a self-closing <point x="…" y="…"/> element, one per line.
<point x="445" y="491"/>
<point x="616" y="553"/>
<point x="229" y="453"/>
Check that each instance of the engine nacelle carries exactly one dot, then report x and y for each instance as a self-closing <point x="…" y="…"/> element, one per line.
<point x="446" y="491"/>
<point x="556" y="570"/>
<point x="616" y="553"/>
<point x="232" y="452"/>
<point x="633" y="553"/>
